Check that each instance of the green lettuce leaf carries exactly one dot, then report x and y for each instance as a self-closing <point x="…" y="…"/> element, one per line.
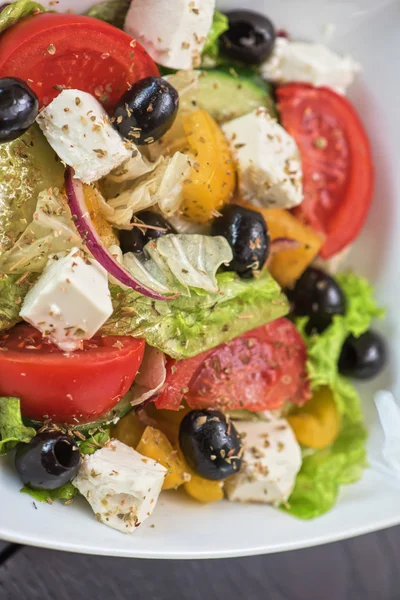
<point x="18" y="10"/>
<point x="324" y="471"/>
<point x="12" y="429"/>
<point x="28" y="165"/>
<point x="12" y="292"/>
<point x="113" y="12"/>
<point x="180" y="263"/>
<point x="94" y="442"/>
<point x="187" y="326"/>
<point x="65" y="492"/>
<point x="51" y="230"/>
<point x="219" y="25"/>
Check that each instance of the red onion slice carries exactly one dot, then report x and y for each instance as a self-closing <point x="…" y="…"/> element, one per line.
<point x="93" y="242"/>
<point x="283" y="243"/>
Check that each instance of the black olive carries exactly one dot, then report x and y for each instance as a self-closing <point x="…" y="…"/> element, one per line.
<point x="210" y="443"/>
<point x="18" y="108"/>
<point x="250" y="37"/>
<point x="247" y="234"/>
<point x="318" y="296"/>
<point x="147" y="110"/>
<point x="136" y="238"/>
<point x="51" y="459"/>
<point x="363" y="357"/>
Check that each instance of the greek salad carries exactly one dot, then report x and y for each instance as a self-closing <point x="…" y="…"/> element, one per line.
<point x="178" y="188"/>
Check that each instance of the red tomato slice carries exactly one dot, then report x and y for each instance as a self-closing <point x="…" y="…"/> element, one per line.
<point x="55" y="51"/>
<point x="337" y="162"/>
<point x="67" y="388"/>
<point x="260" y="370"/>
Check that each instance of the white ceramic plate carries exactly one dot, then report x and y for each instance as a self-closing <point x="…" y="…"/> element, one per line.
<point x="180" y="528"/>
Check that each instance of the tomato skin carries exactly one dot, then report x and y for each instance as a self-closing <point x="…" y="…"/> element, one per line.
<point x="260" y="370"/>
<point x="338" y="172"/>
<point x="67" y="388"/>
<point x="52" y="50"/>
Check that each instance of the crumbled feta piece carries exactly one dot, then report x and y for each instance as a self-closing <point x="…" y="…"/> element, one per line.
<point x="309" y="63"/>
<point x="121" y="485"/>
<point x="79" y="130"/>
<point x="271" y="461"/>
<point x="70" y="301"/>
<point x="173" y="33"/>
<point x="268" y="160"/>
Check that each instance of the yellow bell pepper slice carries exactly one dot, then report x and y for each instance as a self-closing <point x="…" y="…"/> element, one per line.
<point x="168" y="421"/>
<point x="154" y="444"/>
<point x="128" y="430"/>
<point x="286" y="266"/>
<point x="204" y="490"/>
<point x="211" y="180"/>
<point x="317" y="423"/>
<point x="102" y="226"/>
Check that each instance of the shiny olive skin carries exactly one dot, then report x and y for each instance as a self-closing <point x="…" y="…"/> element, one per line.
<point x="249" y="39"/>
<point x="136" y="238"/>
<point x="19" y="108"/>
<point x="318" y="296"/>
<point x="210" y="444"/>
<point x="146" y="111"/>
<point x="247" y="234"/>
<point x="363" y="357"/>
<point x="50" y="460"/>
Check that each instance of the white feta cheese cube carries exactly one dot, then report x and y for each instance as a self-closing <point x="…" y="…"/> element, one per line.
<point x="268" y="160"/>
<point x="173" y="33"/>
<point x="79" y="130"/>
<point x="70" y="301"/>
<point x="271" y="461"/>
<point x="309" y="63"/>
<point x="121" y="485"/>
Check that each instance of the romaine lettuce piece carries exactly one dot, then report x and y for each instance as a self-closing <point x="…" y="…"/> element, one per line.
<point x="187" y="326"/>
<point x="111" y="11"/>
<point x="12" y="292"/>
<point x="219" y="25"/>
<point x="323" y="472"/>
<point x="65" y="492"/>
<point x="180" y="262"/>
<point x="51" y="230"/>
<point x="12" y="13"/>
<point x="12" y="429"/>
<point x="28" y="166"/>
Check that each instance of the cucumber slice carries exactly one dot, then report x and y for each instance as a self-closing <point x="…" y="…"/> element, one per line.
<point x="228" y="93"/>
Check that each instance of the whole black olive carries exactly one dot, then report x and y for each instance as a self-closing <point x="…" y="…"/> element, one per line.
<point x="247" y="234"/>
<point x="250" y="37"/>
<point x="136" y="238"/>
<point x="210" y="443"/>
<point x="18" y="108"/>
<point x="318" y="296"/>
<point x="147" y="110"/>
<point x="51" y="459"/>
<point x="363" y="357"/>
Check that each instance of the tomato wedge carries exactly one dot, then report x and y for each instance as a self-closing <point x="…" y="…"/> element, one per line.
<point x="55" y="51"/>
<point x="261" y="370"/>
<point x="67" y="388"/>
<point x="337" y="162"/>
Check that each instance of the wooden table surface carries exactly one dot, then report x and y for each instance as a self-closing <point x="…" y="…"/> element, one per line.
<point x="364" y="568"/>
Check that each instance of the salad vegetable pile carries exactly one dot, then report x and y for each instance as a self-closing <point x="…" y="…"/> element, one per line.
<point x="177" y="189"/>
